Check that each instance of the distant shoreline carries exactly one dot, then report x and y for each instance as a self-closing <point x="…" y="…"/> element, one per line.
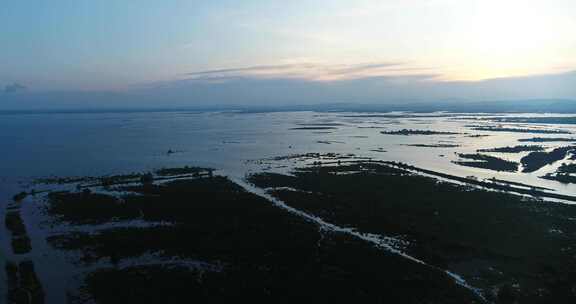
<point x="559" y="106"/>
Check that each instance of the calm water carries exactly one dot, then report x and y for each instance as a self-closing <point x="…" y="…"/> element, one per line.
<point x="38" y="145"/>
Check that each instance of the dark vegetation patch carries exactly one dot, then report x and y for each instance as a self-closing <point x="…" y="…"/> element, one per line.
<point x="21" y="244"/>
<point x="407" y="132"/>
<point x="332" y="270"/>
<point x="501" y="181"/>
<point x="63" y="180"/>
<point x="515" y="149"/>
<point x="518" y="130"/>
<point x="182" y="171"/>
<point x="311" y="156"/>
<point x="314" y="128"/>
<point x="488" y="183"/>
<point x="119" y="179"/>
<point x="111" y="180"/>
<point x="564" y="174"/>
<point x="322" y="124"/>
<point x="14" y="223"/>
<point x="381" y="150"/>
<point x="433" y="145"/>
<point x="86" y="207"/>
<point x="487" y="162"/>
<point x="20" y="241"/>
<point x="536" y="160"/>
<point x="264" y="251"/>
<point x="399" y="115"/>
<point x="560" y="177"/>
<point x="20" y="196"/>
<point x="274" y="180"/>
<point x="547" y="139"/>
<point x="494" y="239"/>
<point x="567" y="168"/>
<point x="536" y="120"/>
<point x="371" y="127"/>
<point x="329" y="142"/>
<point x="23" y="284"/>
<point x="90" y="180"/>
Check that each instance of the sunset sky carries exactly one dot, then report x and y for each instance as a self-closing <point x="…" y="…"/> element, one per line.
<point x="77" y="45"/>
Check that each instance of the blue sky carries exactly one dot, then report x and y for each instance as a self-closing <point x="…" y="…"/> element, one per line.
<point x="119" y="45"/>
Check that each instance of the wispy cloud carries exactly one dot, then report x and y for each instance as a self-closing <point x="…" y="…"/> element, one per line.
<point x="257" y="68"/>
<point x="313" y="71"/>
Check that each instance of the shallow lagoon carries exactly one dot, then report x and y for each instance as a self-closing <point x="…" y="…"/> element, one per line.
<point x="79" y="144"/>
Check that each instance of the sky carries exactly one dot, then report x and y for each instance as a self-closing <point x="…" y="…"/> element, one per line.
<point x="142" y="46"/>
